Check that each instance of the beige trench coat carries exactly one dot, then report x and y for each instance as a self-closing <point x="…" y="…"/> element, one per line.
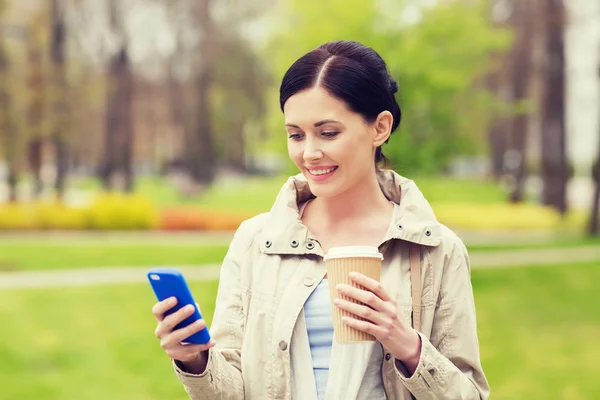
<point x="273" y="265"/>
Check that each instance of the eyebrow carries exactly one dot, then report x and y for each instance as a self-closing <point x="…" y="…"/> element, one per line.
<point x="317" y="124"/>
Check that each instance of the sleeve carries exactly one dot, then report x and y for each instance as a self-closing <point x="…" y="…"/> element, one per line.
<point x="450" y="366"/>
<point x="222" y="378"/>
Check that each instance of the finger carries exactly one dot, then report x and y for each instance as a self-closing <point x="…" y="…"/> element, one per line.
<point x="363" y="326"/>
<point x="371" y="284"/>
<point x="169" y="322"/>
<point x="160" y="308"/>
<point x="188" y="352"/>
<point x="180" y="334"/>
<point x="363" y="296"/>
<point x="360" y="310"/>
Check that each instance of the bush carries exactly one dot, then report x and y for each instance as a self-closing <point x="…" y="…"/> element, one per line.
<point x="187" y="218"/>
<point x="18" y="216"/>
<point x="505" y="216"/>
<point x="110" y="211"/>
<point x="119" y="211"/>
<point x="59" y="216"/>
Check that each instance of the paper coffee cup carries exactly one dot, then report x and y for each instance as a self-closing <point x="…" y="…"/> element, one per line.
<point x="340" y="262"/>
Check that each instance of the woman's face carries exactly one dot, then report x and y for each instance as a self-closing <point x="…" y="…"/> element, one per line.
<point x="332" y="146"/>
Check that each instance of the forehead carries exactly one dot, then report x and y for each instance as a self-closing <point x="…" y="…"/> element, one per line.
<point x="313" y="105"/>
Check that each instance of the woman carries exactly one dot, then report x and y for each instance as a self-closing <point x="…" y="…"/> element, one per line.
<point x="272" y="328"/>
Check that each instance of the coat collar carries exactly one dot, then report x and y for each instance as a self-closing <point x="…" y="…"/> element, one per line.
<point x="284" y="233"/>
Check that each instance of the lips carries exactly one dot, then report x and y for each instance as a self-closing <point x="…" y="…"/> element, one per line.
<point x="321" y="170"/>
<point x="321" y="173"/>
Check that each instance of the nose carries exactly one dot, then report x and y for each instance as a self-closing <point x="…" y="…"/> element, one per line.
<point x="311" y="150"/>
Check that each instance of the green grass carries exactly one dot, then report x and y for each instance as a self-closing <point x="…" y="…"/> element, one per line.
<point x="447" y="190"/>
<point x="40" y="256"/>
<point x="120" y="251"/>
<point x="87" y="344"/>
<point x="250" y="194"/>
<point x="538" y="331"/>
<point x="258" y="193"/>
<point x="552" y="243"/>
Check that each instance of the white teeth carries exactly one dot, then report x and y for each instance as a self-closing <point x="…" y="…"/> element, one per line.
<point x="321" y="171"/>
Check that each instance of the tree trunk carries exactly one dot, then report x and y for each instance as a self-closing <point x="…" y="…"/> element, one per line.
<point x="35" y="115"/>
<point x="35" y="166"/>
<point x="199" y="150"/>
<point x="520" y="64"/>
<point x="59" y="108"/>
<point x="8" y="132"/>
<point x="594" y="228"/>
<point x="554" y="162"/>
<point x="12" y="183"/>
<point x="62" y="165"/>
<point x="118" y="143"/>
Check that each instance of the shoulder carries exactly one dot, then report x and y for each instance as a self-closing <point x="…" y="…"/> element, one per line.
<point x="451" y="252"/>
<point x="249" y="230"/>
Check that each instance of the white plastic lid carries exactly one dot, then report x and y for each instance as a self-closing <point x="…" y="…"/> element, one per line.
<point x="353" y="251"/>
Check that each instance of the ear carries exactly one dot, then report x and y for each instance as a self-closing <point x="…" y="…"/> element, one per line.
<point x="383" y="128"/>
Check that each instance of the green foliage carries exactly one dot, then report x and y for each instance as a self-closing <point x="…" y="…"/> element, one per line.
<point x="437" y="62"/>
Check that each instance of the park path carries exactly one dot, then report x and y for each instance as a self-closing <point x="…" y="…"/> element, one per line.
<point x="128" y="275"/>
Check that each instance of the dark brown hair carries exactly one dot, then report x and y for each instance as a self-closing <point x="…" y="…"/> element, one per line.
<point x="351" y="72"/>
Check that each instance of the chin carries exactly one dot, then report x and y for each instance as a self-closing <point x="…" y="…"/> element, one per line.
<point x="324" y="190"/>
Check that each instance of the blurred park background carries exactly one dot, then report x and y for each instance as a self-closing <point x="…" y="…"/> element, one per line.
<point x="140" y="133"/>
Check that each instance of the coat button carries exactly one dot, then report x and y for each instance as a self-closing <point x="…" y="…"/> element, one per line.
<point x="283" y="345"/>
<point x="400" y="227"/>
<point x="309" y="281"/>
<point x="268" y="244"/>
<point x="388" y="356"/>
<point x="310" y="245"/>
<point x="427" y="233"/>
<point x="294" y="243"/>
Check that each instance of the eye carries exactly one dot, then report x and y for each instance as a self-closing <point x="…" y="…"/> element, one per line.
<point x="295" y="136"/>
<point x="330" y="134"/>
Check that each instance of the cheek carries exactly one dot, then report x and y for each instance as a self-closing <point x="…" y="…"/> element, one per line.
<point x="294" y="152"/>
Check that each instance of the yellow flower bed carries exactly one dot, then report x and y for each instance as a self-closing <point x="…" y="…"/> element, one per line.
<point x="133" y="212"/>
<point x="506" y="216"/>
<point x="107" y="212"/>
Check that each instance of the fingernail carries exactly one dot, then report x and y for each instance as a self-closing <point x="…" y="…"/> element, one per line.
<point x="353" y="274"/>
<point x="339" y="287"/>
<point x="336" y="301"/>
<point x="172" y="301"/>
<point x="189" y="308"/>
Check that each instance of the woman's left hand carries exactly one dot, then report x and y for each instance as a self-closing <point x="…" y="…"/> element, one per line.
<point x="382" y="320"/>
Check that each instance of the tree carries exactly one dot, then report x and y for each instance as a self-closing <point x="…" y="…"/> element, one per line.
<point x="594" y="228"/>
<point x="554" y="166"/>
<point x="8" y="127"/>
<point x="59" y="96"/>
<point x="36" y="112"/>
<point x="118" y="143"/>
<point x="199" y="154"/>
<point x="436" y="56"/>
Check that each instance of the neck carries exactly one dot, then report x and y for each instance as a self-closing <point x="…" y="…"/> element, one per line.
<point x="360" y="201"/>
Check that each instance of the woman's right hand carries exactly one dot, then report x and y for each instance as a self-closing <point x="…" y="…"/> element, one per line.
<point x="194" y="357"/>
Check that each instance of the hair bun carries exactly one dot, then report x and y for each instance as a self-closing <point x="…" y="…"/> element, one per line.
<point x="393" y="85"/>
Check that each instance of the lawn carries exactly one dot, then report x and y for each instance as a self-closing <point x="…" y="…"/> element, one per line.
<point x="248" y="195"/>
<point x="259" y="192"/>
<point x="21" y="256"/>
<point x="128" y="251"/>
<point x="538" y="334"/>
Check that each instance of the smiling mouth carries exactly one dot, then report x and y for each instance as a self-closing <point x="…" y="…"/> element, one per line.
<point x="318" y="172"/>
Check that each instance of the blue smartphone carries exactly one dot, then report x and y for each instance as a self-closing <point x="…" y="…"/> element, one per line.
<point x="169" y="282"/>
